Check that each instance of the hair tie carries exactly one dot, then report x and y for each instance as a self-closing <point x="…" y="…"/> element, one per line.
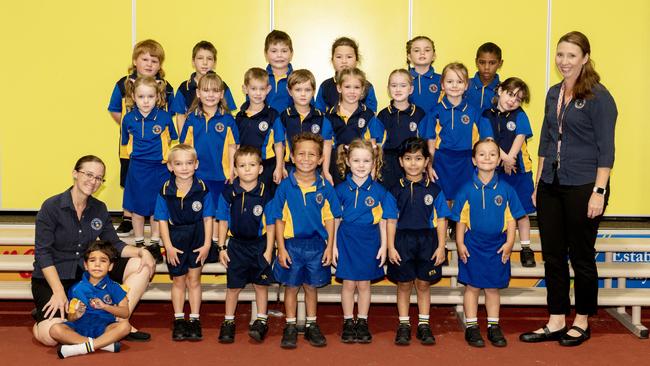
<point x="374" y="146"/>
<point x="346" y="147"/>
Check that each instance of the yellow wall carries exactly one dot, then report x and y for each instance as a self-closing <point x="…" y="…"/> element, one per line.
<point x="60" y="69"/>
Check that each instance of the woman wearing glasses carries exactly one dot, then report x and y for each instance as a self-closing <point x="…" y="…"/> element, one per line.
<point x="66" y="224"/>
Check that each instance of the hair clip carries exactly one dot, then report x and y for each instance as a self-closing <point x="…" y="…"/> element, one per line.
<point x="346" y="147"/>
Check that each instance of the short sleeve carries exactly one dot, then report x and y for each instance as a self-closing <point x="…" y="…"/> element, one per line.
<point x="208" y="205"/>
<point x="425" y="128"/>
<point x="389" y="206"/>
<point x="222" y="212"/>
<point x="484" y="128"/>
<point x="116" y="291"/>
<point x="335" y="205"/>
<point x="278" y="130"/>
<point x="320" y="100"/>
<point x="234" y="129"/>
<point x="376" y="127"/>
<point x="371" y="98"/>
<point x="115" y="104"/>
<point x="327" y="131"/>
<point x="161" y="212"/>
<point x="230" y="101"/>
<point x="440" y="205"/>
<point x="179" y="106"/>
<point x="516" y="209"/>
<point x="523" y="125"/>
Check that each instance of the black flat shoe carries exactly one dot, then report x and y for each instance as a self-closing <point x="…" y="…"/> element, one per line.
<point x="571" y="341"/>
<point x="532" y="337"/>
<point x="138" y="336"/>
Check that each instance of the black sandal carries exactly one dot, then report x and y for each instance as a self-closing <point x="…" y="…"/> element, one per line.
<point x="571" y="341"/>
<point x="532" y="337"/>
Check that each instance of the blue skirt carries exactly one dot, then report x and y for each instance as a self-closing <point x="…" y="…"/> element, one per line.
<point x="484" y="268"/>
<point x="454" y="169"/>
<point x="358" y="246"/>
<point x="143" y="183"/>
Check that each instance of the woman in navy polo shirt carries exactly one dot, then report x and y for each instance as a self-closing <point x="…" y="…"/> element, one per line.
<point x="66" y="224"/>
<point x="576" y="155"/>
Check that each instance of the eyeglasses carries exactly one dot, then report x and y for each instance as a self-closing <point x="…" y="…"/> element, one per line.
<point x="88" y="175"/>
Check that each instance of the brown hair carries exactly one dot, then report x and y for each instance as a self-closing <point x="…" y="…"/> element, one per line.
<point x="207" y="82"/>
<point x="514" y="83"/>
<point x="151" y="47"/>
<point x="588" y="77"/>
<point x="104" y="247"/>
<point x="486" y="140"/>
<point x="88" y="159"/>
<point x="409" y="45"/>
<point x="204" y="45"/>
<point x="343" y="153"/>
<point x="307" y="136"/>
<point x="300" y="76"/>
<point x="277" y="36"/>
<point x="129" y="100"/>
<point x="404" y="72"/>
<point x="345" y="41"/>
<point x="456" y="67"/>
<point x="248" y="150"/>
<point x="354" y="72"/>
<point x="256" y="73"/>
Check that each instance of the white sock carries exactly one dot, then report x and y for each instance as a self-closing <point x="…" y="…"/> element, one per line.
<point x="525" y="243"/>
<point x="310" y="320"/>
<point x="194" y="316"/>
<point x="69" y="350"/>
<point x="360" y="316"/>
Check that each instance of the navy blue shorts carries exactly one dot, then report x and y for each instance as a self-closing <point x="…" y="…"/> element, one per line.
<point x="247" y="263"/>
<point x="186" y="238"/>
<point x="306" y="266"/>
<point x="415" y="247"/>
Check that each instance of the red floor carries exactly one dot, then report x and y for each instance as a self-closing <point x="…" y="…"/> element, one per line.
<point x="610" y="343"/>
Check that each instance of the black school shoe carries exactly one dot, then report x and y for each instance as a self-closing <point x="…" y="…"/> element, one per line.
<point x="125" y="228"/>
<point x="425" y="335"/>
<point x="527" y="257"/>
<point x="363" y="332"/>
<point x="571" y="341"/>
<point x="180" y="330"/>
<point x="227" y="332"/>
<point x="403" y="336"/>
<point x="138" y="336"/>
<point x="258" y="330"/>
<point x="473" y="336"/>
<point x="194" y="332"/>
<point x="314" y="335"/>
<point x="495" y="336"/>
<point x="289" y="336"/>
<point x="532" y="337"/>
<point x="348" y="335"/>
<point x="154" y="249"/>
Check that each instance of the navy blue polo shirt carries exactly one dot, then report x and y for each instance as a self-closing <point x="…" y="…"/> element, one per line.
<point x="426" y="89"/>
<point x="480" y="96"/>
<point x="397" y="126"/>
<point x="186" y="93"/>
<point x="247" y="212"/>
<point x="328" y="96"/>
<point x="420" y="204"/>
<point x="148" y="138"/>
<point x="356" y="126"/>
<point x="258" y="130"/>
<point x="290" y="123"/>
<point x="506" y="126"/>
<point x="178" y="209"/>
<point x="279" y="98"/>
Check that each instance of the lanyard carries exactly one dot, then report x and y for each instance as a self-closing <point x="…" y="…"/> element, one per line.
<point x="561" y="114"/>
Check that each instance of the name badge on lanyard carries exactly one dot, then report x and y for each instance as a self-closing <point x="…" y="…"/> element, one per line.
<point x="561" y="114"/>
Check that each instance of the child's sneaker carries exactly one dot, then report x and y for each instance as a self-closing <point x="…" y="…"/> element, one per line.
<point x="227" y="332"/>
<point x="363" y="332"/>
<point x="348" y="335"/>
<point x="314" y="335"/>
<point x="527" y="257"/>
<point x="425" y="335"/>
<point x="289" y="336"/>
<point x="180" y="329"/>
<point x="495" y="335"/>
<point x="124" y="229"/>
<point x="258" y="330"/>
<point x="403" y="336"/>
<point x="473" y="336"/>
<point x="154" y="249"/>
<point x="194" y="331"/>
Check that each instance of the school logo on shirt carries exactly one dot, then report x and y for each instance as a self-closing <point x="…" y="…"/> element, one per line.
<point x="413" y="126"/>
<point x="263" y="126"/>
<point x="511" y="125"/>
<point x="315" y="128"/>
<point x="428" y="200"/>
<point x="96" y="224"/>
<point x="196" y="206"/>
<point x="369" y="201"/>
<point x="319" y="198"/>
<point x="464" y="119"/>
<point x="498" y="200"/>
<point x="156" y="129"/>
<point x="579" y="103"/>
<point x="219" y="127"/>
<point x="257" y="210"/>
<point x="361" y="123"/>
<point x="107" y="299"/>
<point x="433" y="88"/>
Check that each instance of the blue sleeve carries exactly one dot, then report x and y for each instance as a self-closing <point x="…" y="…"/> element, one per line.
<point x="268" y="214"/>
<point x="208" y="205"/>
<point x="178" y="105"/>
<point x="516" y="209"/>
<point x="523" y="125"/>
<point x="371" y="98"/>
<point x="440" y="204"/>
<point x="222" y="212"/>
<point x="75" y="293"/>
<point x="431" y="124"/>
<point x="172" y="129"/>
<point x="320" y="100"/>
<point x="234" y="129"/>
<point x="425" y="128"/>
<point x="277" y="203"/>
<point x="116" y="291"/>
<point x="161" y="212"/>
<point x="377" y="129"/>
<point x="230" y="101"/>
<point x="278" y="130"/>
<point x="186" y="126"/>
<point x="459" y="203"/>
<point x="124" y="131"/>
<point x="389" y="206"/>
<point x="327" y="132"/>
<point x="335" y="204"/>
<point x="115" y="104"/>
<point x="484" y="128"/>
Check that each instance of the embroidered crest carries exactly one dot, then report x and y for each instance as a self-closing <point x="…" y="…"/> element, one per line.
<point x="107" y="299"/>
<point x="319" y="198"/>
<point x="511" y="125"/>
<point x="257" y="210"/>
<point x="413" y="126"/>
<point x="579" y="103"/>
<point x="96" y="224"/>
<point x="498" y="200"/>
<point x="361" y="123"/>
<point x="315" y="128"/>
<point x="428" y="200"/>
<point x="464" y="119"/>
<point x="219" y="127"/>
<point x="369" y="201"/>
<point x="156" y="129"/>
<point x="196" y="206"/>
<point x="263" y="126"/>
<point x="433" y="88"/>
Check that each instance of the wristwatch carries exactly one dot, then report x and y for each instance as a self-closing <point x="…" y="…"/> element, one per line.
<point x="599" y="190"/>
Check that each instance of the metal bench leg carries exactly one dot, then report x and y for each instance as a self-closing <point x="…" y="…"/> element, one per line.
<point x="301" y="316"/>
<point x="632" y="323"/>
<point x="253" y="311"/>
